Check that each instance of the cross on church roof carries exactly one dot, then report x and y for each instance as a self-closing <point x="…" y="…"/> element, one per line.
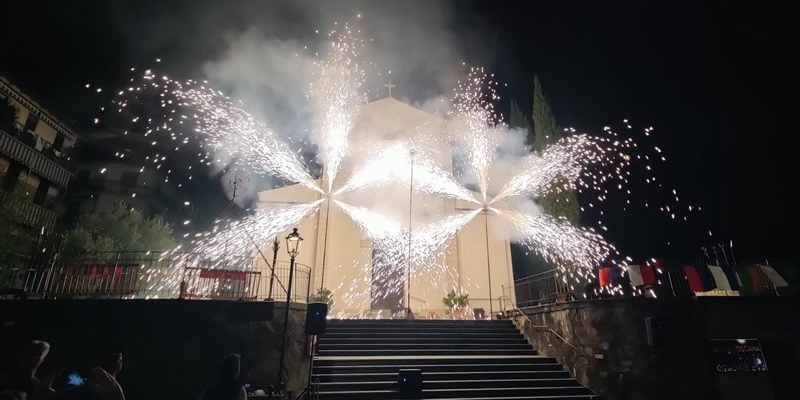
<point x="390" y="86"/>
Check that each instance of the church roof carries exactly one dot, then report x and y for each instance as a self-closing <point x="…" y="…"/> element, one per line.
<point x="389" y="107"/>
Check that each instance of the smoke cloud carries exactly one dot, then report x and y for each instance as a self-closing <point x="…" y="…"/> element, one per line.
<point x="263" y="52"/>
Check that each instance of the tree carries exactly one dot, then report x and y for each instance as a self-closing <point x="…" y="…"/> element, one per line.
<point x="562" y="203"/>
<point x="123" y="229"/>
<point x="525" y="263"/>
<point x="8" y="116"/>
<point x="518" y="120"/>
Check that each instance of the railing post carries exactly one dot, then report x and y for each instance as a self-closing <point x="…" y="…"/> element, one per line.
<point x="308" y="284"/>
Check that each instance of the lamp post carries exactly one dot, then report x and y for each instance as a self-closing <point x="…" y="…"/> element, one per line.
<point x="293" y="242"/>
<point x="488" y="258"/>
<point x="412" y="153"/>
<point x="325" y="245"/>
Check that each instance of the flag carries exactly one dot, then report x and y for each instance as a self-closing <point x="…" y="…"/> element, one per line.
<point x="759" y="279"/>
<point x="720" y="279"/>
<point x="705" y="277"/>
<point x="774" y="277"/>
<point x="695" y="284"/>
<point x="635" y="275"/>
<point x="617" y="274"/>
<point x="746" y="280"/>
<point x="605" y="276"/>
<point x="648" y="274"/>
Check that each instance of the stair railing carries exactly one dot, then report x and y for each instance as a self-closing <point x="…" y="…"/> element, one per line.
<point x="542" y="328"/>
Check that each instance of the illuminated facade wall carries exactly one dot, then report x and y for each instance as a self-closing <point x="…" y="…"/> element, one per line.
<point x="343" y="262"/>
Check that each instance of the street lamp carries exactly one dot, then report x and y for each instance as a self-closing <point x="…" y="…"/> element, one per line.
<point x="412" y="153"/>
<point x="488" y="258"/>
<point x="293" y="242"/>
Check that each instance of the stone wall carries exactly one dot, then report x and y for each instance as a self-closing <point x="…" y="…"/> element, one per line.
<point x="171" y="347"/>
<point x="606" y="343"/>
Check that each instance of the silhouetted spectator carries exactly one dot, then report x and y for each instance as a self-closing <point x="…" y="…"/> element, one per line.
<point x="23" y="382"/>
<point x="227" y="388"/>
<point x="103" y="379"/>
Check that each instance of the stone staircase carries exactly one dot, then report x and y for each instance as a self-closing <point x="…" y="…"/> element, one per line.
<point x="468" y="360"/>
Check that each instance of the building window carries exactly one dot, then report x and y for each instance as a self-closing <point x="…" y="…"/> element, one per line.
<point x="129" y="179"/>
<point x="30" y="123"/>
<point x="41" y="194"/>
<point x="59" y="142"/>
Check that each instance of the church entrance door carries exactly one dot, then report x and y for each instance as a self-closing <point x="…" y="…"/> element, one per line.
<point x="387" y="289"/>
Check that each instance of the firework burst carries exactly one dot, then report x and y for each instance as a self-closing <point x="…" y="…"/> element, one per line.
<point x="197" y="117"/>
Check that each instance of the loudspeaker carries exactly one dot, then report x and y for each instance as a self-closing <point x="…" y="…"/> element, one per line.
<point x="316" y="318"/>
<point x="409" y="383"/>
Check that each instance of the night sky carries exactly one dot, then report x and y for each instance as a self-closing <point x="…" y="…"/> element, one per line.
<point x="710" y="78"/>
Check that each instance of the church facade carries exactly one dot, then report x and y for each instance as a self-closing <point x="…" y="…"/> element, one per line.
<point x="345" y="260"/>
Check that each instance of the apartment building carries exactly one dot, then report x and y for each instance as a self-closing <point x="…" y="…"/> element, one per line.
<point x="114" y="169"/>
<point x="35" y="159"/>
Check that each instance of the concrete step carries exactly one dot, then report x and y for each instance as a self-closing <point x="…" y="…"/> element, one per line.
<point x="418" y="322"/>
<point x="465" y="361"/>
<point x="451" y="384"/>
<point x="418" y="329"/>
<point x="430" y="375"/>
<point x="443" y="351"/>
<point x="461" y="393"/>
<point x="427" y="345"/>
<point x="328" y="341"/>
<point x="468" y="360"/>
<point x="445" y="334"/>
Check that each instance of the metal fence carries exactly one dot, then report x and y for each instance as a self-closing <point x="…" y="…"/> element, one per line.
<point x="541" y="288"/>
<point x="147" y="275"/>
<point x="671" y="281"/>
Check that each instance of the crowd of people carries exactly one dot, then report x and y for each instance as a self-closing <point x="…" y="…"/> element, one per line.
<point x="23" y="381"/>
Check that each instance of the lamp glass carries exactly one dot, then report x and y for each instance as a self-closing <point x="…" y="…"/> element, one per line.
<point x="293" y="243"/>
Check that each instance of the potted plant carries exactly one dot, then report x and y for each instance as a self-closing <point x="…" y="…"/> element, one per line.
<point x="323" y="295"/>
<point x="455" y="303"/>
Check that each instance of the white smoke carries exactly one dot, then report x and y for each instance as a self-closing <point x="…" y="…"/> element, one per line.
<point x="262" y="52"/>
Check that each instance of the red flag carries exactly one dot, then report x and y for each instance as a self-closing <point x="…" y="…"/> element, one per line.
<point x="605" y="276"/>
<point x="648" y="274"/>
<point x="759" y="280"/>
<point x="695" y="284"/>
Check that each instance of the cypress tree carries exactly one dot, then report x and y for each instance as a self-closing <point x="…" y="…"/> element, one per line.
<point x="562" y="203"/>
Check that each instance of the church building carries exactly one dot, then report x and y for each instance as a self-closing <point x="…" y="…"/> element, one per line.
<point x="345" y="260"/>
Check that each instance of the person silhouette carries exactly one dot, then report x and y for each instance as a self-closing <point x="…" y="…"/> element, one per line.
<point x="227" y="387"/>
<point x="23" y="382"/>
<point x="102" y="380"/>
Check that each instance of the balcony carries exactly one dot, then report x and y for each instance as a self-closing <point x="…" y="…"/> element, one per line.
<point x="36" y="216"/>
<point x="36" y="161"/>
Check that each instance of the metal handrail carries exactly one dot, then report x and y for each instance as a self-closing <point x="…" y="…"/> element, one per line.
<point x="543" y="328"/>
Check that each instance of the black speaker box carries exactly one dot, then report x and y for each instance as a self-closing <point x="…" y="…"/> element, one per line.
<point x="316" y="318"/>
<point x="409" y="383"/>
